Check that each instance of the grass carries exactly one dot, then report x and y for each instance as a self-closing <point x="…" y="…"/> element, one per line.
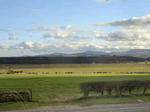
<point x="14" y="76"/>
<point x="53" y="90"/>
<point x="79" y="68"/>
<point x="19" y="106"/>
<point x="53" y="95"/>
<point x="61" y="89"/>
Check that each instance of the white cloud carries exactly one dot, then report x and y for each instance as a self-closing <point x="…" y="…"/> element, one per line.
<point x="40" y="28"/>
<point x="148" y="12"/>
<point x="34" y="10"/>
<point x="28" y="45"/>
<point x="101" y="1"/>
<point x="46" y="28"/>
<point x="78" y="31"/>
<point x="80" y="38"/>
<point x="132" y="23"/>
<point x="4" y="29"/>
<point x="97" y="36"/>
<point x="49" y="35"/>
<point x="52" y="41"/>
<point x="62" y="35"/>
<point x="126" y="35"/>
<point x="40" y="47"/>
<point x="4" y="47"/>
<point x="96" y="32"/>
<point x="13" y="38"/>
<point x="66" y="27"/>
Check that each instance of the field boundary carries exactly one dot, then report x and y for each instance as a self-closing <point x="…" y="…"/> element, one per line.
<point x="30" y="90"/>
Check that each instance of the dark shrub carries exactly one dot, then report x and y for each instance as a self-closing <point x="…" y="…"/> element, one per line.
<point x="120" y="87"/>
<point x="93" y="87"/>
<point x="145" y="84"/>
<point x="132" y="84"/>
<point x="110" y="85"/>
<point x="96" y="86"/>
<point x="25" y="95"/>
<point x="84" y="88"/>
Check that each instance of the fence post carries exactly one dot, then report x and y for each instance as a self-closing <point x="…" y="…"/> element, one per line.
<point x="31" y="94"/>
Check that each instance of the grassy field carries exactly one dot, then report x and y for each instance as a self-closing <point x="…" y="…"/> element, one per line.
<point x="62" y="89"/>
<point x="79" y="68"/>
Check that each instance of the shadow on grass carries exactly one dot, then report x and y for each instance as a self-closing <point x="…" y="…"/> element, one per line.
<point x="82" y="100"/>
<point x="106" y="96"/>
<point x="14" y="106"/>
<point x="34" y="101"/>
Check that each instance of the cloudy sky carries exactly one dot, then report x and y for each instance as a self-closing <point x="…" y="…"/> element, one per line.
<point x="33" y="27"/>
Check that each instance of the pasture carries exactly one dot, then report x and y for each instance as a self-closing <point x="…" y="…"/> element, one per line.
<point x="78" y="68"/>
<point x="54" y="89"/>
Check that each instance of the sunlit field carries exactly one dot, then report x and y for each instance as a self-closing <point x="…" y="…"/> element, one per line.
<point x="53" y="89"/>
<point x="79" y="68"/>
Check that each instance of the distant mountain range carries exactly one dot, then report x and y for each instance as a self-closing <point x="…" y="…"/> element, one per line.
<point x="141" y="53"/>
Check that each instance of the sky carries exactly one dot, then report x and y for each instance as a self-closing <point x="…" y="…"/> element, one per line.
<point x="35" y="27"/>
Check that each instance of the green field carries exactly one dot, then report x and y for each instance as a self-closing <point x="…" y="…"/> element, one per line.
<point x="55" y="89"/>
<point x="79" y="68"/>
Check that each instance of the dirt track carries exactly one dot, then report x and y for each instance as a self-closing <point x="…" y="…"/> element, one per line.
<point x="145" y="107"/>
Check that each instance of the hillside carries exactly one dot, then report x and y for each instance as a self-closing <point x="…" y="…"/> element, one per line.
<point x="68" y="60"/>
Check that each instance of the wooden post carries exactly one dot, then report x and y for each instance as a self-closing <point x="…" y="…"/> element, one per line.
<point x="86" y="93"/>
<point x="31" y="94"/>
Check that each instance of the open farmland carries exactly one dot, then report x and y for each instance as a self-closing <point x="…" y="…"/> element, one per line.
<point x="78" y="68"/>
<point x="50" y="89"/>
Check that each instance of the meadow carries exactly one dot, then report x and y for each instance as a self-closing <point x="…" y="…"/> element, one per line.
<point x="63" y="89"/>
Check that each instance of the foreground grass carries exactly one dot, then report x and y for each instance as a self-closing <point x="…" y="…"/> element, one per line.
<point x="104" y="100"/>
<point x="9" y="106"/>
<point x="57" y="89"/>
